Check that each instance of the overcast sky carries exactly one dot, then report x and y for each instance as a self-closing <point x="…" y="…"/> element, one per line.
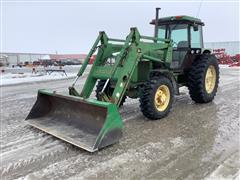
<point x="72" y="27"/>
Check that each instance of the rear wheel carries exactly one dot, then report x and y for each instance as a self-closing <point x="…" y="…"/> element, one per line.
<point x="157" y="98"/>
<point x="203" y="79"/>
<point x="108" y="91"/>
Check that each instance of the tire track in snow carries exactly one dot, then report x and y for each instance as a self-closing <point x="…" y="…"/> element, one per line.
<point x="90" y="168"/>
<point x="33" y="154"/>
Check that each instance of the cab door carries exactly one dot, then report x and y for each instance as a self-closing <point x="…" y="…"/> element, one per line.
<point x="179" y="33"/>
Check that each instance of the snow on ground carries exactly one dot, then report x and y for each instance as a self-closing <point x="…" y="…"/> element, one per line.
<point x="193" y="142"/>
<point x="227" y="66"/>
<point x="11" y="78"/>
<point x="19" y="75"/>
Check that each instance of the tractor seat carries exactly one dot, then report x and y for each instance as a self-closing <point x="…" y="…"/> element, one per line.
<point x="182" y="44"/>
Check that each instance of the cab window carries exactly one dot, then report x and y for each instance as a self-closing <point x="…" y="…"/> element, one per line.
<point x="162" y="31"/>
<point x="196" y="37"/>
<point x="179" y="35"/>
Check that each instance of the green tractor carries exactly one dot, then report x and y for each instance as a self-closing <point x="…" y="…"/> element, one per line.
<point x="149" y="68"/>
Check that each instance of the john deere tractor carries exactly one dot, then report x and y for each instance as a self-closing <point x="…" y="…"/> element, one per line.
<point x="149" y="68"/>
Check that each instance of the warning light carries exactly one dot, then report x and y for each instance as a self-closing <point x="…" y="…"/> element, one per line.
<point x="178" y="17"/>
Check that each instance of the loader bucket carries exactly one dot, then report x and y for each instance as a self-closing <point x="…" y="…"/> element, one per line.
<point x="88" y="124"/>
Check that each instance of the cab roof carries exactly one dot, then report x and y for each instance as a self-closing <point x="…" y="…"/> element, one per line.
<point x="181" y="18"/>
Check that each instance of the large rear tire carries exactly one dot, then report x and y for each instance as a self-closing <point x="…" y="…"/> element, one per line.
<point x="203" y="79"/>
<point x="157" y="98"/>
<point x="108" y="91"/>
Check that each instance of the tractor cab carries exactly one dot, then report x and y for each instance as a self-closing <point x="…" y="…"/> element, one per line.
<point x="186" y="34"/>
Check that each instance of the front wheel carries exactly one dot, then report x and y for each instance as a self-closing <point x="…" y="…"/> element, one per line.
<point x="157" y="98"/>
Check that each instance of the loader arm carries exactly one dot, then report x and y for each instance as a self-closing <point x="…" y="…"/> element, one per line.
<point x="129" y="54"/>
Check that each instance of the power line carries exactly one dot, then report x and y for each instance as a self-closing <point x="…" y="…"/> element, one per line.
<point x="199" y="8"/>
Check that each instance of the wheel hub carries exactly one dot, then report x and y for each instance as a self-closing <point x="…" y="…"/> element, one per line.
<point x="210" y="79"/>
<point x="162" y="98"/>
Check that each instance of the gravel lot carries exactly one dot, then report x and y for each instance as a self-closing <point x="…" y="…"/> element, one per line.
<point x="191" y="143"/>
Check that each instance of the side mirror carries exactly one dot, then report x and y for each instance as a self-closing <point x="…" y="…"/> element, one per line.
<point x="195" y="27"/>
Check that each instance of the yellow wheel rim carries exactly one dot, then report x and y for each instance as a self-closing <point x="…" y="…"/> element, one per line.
<point x="162" y="98"/>
<point x="210" y="79"/>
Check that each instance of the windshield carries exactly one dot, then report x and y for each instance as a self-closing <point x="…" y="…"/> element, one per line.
<point x="177" y="32"/>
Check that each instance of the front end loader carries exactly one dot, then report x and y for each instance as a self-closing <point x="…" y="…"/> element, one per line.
<point x="149" y="68"/>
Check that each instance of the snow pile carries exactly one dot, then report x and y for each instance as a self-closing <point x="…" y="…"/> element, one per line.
<point x="10" y="78"/>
